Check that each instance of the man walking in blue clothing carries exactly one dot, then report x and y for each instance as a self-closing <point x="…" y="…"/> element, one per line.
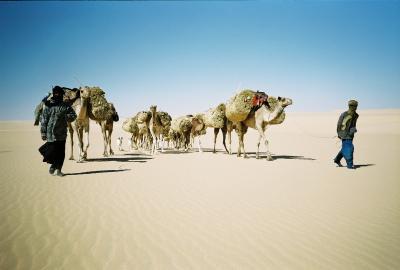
<point x="346" y="127"/>
<point x="54" y="130"/>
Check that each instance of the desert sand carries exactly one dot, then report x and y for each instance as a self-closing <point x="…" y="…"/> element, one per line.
<point x="204" y="210"/>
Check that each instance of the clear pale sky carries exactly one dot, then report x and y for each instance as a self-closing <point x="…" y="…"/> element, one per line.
<point x="189" y="56"/>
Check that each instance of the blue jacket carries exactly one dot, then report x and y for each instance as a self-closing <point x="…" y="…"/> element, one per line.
<point x="54" y="120"/>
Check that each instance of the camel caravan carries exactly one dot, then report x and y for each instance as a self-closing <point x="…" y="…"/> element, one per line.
<point x="152" y="131"/>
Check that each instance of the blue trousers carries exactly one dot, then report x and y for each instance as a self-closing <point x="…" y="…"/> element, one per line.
<point x="346" y="152"/>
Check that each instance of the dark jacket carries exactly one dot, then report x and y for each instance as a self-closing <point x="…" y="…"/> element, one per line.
<point x="54" y="120"/>
<point x="346" y="130"/>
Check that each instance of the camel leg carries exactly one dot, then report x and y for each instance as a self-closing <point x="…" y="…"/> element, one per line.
<point x="269" y="157"/>
<point x="162" y="143"/>
<point x="230" y="142"/>
<point x="199" y="145"/>
<point x="224" y="131"/>
<point x="86" y="145"/>
<point x="109" y="142"/>
<point x="80" y="141"/>
<point x="229" y="128"/>
<point x="240" y="138"/>
<point x="153" y="149"/>
<point x="103" y="130"/>
<point x="187" y="142"/>
<point x="260" y="136"/>
<point x="71" y="135"/>
<point x="216" y="131"/>
<point x="242" y="129"/>
<point x="258" y="146"/>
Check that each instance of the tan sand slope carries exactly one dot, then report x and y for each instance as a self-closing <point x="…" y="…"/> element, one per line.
<point x="207" y="211"/>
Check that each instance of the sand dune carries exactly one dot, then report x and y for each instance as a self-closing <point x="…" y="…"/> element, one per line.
<point x="204" y="210"/>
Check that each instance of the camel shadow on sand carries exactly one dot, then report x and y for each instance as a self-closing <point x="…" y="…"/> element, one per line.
<point x="125" y="158"/>
<point x="190" y="151"/>
<point x="98" y="171"/>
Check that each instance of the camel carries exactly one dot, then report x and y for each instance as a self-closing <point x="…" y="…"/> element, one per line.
<point x="184" y="129"/>
<point x="107" y="129"/>
<point x="156" y="129"/>
<point x="130" y="125"/>
<point x="143" y="137"/>
<point x="259" y="120"/>
<point x="215" y="118"/>
<point x="80" y="125"/>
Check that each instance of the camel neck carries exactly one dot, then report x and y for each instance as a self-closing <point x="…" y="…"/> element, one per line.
<point x="83" y="109"/>
<point x="154" y="118"/>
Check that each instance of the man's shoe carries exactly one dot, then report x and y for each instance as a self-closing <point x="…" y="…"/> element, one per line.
<point x="59" y="173"/>
<point x="338" y="163"/>
<point x="51" y="170"/>
<point x="351" y="168"/>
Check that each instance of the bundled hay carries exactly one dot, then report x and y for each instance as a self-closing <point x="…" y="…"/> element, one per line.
<point x="215" y="117"/>
<point x="143" y="117"/>
<point x="165" y="118"/>
<point x="100" y="109"/>
<point x="130" y="125"/>
<point x="182" y="124"/>
<point x="240" y="105"/>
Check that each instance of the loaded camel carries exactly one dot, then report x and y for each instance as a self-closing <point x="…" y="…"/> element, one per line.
<point x="269" y="112"/>
<point x="107" y="126"/>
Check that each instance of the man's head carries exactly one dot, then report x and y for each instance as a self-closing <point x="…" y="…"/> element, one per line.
<point x="58" y="92"/>
<point x="353" y="104"/>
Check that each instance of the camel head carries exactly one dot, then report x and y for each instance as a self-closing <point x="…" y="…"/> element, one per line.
<point x="84" y="92"/>
<point x="114" y="113"/>
<point x="153" y="108"/>
<point x="197" y="125"/>
<point x="284" y="102"/>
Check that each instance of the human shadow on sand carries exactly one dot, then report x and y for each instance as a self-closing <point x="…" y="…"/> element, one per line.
<point x="291" y="157"/>
<point x="275" y="157"/>
<point x="363" y="165"/>
<point x="99" y="171"/>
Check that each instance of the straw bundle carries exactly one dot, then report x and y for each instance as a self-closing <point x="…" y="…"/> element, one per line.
<point x="240" y="105"/>
<point x="165" y="118"/>
<point x="215" y="117"/>
<point x="143" y="117"/>
<point x="182" y="124"/>
<point x="130" y="125"/>
<point x="100" y="108"/>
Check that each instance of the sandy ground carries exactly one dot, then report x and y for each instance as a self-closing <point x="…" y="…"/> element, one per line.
<point x="204" y="210"/>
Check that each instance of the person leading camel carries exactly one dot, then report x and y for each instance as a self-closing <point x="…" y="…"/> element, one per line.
<point x="53" y="129"/>
<point x="346" y="127"/>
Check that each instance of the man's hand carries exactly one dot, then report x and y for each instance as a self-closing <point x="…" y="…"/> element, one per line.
<point x="44" y="138"/>
<point x="353" y="130"/>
